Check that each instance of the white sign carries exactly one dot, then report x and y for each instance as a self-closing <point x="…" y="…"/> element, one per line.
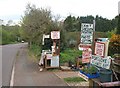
<point x="101" y="62"/>
<point x="55" y="61"/>
<point x="55" y="35"/>
<point x="45" y="36"/>
<point x="99" y="49"/>
<point x="86" y="33"/>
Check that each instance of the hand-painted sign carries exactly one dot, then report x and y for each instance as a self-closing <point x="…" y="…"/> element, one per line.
<point x="99" y="49"/>
<point x="100" y="61"/>
<point x="86" y="33"/>
<point x="55" y="35"/>
<point x="86" y="55"/>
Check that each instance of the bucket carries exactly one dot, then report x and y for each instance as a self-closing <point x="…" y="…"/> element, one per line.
<point x="105" y="75"/>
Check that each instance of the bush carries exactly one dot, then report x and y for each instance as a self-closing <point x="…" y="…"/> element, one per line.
<point x="114" y="44"/>
<point x="69" y="55"/>
<point x="90" y="70"/>
<point x="35" y="49"/>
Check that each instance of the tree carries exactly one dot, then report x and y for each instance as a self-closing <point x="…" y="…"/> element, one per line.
<point x="35" y="23"/>
<point x="72" y="24"/>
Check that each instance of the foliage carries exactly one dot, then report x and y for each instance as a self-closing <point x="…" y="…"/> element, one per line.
<point x="10" y="34"/>
<point x="118" y="25"/>
<point x="71" y="23"/>
<point x="35" y="23"/>
<point x="114" y="44"/>
<point x="72" y="39"/>
<point x="35" y="49"/>
<point x="69" y="55"/>
<point x="74" y="79"/>
<point x="110" y="33"/>
<point x="90" y="70"/>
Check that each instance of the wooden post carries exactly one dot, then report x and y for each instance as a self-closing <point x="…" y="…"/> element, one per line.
<point x="93" y="44"/>
<point x="45" y="62"/>
<point x="90" y="83"/>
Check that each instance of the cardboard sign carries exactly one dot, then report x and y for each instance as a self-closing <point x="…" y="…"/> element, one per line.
<point x="86" y="55"/>
<point x="55" y="35"/>
<point x="86" y="33"/>
<point x="100" y="61"/>
<point x="99" y="49"/>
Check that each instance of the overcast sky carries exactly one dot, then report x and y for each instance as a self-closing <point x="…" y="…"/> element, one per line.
<point x="14" y="9"/>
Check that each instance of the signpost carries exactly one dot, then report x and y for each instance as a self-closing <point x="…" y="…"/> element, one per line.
<point x="86" y="41"/>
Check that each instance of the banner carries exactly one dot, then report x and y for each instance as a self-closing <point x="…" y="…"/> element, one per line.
<point x="86" y="33"/>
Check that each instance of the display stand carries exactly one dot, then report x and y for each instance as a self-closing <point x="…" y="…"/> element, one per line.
<point x="53" y="60"/>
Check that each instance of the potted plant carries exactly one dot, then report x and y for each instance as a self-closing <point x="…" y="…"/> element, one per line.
<point x="90" y="72"/>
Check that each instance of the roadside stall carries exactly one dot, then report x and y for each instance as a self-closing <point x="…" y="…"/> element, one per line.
<point x="50" y="58"/>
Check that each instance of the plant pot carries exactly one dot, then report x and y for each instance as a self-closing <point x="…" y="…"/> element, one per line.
<point x="105" y="75"/>
<point x="95" y="75"/>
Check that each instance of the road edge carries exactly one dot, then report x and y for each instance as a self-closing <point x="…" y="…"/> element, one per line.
<point x="13" y="70"/>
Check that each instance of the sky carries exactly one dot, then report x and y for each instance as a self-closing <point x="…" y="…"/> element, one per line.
<point x="14" y="9"/>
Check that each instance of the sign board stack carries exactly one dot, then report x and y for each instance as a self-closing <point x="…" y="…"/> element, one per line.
<point x="86" y="41"/>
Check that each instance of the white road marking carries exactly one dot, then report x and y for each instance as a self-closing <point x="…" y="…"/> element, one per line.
<point x="12" y="76"/>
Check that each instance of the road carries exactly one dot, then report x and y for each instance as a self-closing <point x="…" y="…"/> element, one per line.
<point x="26" y="71"/>
<point x="9" y="53"/>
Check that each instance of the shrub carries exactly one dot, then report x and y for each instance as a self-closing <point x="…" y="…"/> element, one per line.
<point x="69" y="55"/>
<point x="35" y="49"/>
<point x="90" y="70"/>
<point x="114" y="44"/>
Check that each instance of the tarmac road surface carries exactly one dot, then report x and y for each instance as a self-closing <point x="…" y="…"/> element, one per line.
<point x="9" y="53"/>
<point x="26" y="71"/>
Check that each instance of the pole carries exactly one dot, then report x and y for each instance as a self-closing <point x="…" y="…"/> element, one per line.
<point x="93" y="44"/>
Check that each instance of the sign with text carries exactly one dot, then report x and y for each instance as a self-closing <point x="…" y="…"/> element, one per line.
<point x="100" y="61"/>
<point x="86" y="55"/>
<point x="55" y="35"/>
<point x="99" y="49"/>
<point x="86" y="33"/>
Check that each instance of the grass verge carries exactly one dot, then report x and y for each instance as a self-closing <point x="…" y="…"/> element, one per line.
<point x="74" y="79"/>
